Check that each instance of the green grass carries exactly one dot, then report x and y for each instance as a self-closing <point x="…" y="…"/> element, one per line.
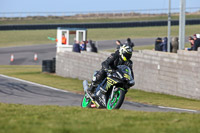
<point x="56" y="119"/>
<point x="31" y="37"/>
<point x="33" y="73"/>
<point x="139" y="32"/>
<point x="25" y="37"/>
<point x="162" y="99"/>
<point x="91" y="20"/>
<point x="61" y="119"/>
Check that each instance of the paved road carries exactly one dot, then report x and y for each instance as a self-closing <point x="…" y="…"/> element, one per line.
<point x="18" y="91"/>
<point x="25" y="55"/>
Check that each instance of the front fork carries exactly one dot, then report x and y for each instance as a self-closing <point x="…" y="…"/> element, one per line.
<point x="114" y="89"/>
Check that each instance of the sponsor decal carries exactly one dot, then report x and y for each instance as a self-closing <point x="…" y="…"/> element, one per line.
<point x="127" y="76"/>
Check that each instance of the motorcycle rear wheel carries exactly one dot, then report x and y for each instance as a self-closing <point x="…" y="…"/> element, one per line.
<point x="117" y="100"/>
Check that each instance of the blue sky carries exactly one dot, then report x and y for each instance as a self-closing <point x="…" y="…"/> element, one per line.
<point x="87" y="5"/>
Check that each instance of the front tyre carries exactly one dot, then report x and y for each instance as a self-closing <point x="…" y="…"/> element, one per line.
<point x="117" y="100"/>
<point x="86" y="102"/>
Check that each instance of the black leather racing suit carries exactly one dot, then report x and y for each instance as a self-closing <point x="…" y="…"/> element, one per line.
<point x="111" y="63"/>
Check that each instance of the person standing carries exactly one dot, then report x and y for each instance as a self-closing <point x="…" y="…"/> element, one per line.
<point x="88" y="48"/>
<point x="196" y="43"/>
<point x="118" y="44"/>
<point x="76" y="47"/>
<point x="64" y="39"/>
<point x="91" y="47"/>
<point x="158" y="44"/>
<point x="164" y="44"/>
<point x="130" y="43"/>
<point x="191" y="40"/>
<point x="83" y="46"/>
<point x="174" y="44"/>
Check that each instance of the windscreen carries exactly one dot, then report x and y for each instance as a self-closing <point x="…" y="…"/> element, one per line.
<point x="125" y="69"/>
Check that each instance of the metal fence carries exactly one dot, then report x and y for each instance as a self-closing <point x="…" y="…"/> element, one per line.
<point x="96" y="25"/>
<point x="139" y="12"/>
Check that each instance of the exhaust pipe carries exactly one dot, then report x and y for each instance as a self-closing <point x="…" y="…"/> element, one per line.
<point x="85" y="85"/>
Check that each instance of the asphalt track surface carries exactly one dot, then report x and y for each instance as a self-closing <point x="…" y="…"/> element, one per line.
<point x="16" y="91"/>
<point x="24" y="55"/>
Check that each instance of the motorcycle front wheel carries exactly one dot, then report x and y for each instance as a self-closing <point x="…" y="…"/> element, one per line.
<point x="117" y="100"/>
<point x="86" y="102"/>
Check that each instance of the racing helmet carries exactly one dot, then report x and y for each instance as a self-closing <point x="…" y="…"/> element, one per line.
<point x="125" y="52"/>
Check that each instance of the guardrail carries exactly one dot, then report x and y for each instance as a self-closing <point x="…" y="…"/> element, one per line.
<point x="138" y="12"/>
<point x="96" y="25"/>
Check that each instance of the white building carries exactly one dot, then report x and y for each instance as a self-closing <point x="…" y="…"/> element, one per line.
<point x="66" y="37"/>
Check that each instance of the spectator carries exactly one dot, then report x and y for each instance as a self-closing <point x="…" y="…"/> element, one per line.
<point x="196" y="43"/>
<point x="158" y="44"/>
<point x="198" y="35"/>
<point x="91" y="47"/>
<point x="64" y="39"/>
<point x="174" y="44"/>
<point x="164" y="44"/>
<point x="83" y="46"/>
<point x="118" y="44"/>
<point x="76" y="47"/>
<point x="129" y="42"/>
<point x="191" y="40"/>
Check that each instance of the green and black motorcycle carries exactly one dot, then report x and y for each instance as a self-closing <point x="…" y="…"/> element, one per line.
<point x="116" y="84"/>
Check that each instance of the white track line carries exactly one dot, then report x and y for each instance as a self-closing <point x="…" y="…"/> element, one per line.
<point x="172" y="108"/>
<point x="36" y="84"/>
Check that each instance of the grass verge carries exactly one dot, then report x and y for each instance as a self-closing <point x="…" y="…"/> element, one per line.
<point x="33" y="73"/>
<point x="59" y="20"/>
<point x="51" y="119"/>
<point x="30" y="37"/>
<point x="25" y="37"/>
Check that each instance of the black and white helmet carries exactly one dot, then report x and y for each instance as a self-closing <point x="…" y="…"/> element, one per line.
<point x="125" y="52"/>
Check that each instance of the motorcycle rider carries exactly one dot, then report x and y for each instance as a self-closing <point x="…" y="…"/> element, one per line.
<point x="120" y="57"/>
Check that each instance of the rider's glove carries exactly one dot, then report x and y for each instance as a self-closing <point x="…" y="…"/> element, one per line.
<point x="109" y="70"/>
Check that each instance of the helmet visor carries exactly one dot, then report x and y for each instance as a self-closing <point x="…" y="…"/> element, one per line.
<point x="127" y="55"/>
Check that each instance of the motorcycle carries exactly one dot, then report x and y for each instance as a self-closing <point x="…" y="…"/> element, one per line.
<point x="116" y="83"/>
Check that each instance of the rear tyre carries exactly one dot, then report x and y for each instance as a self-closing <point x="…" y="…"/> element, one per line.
<point x="86" y="102"/>
<point x="117" y="100"/>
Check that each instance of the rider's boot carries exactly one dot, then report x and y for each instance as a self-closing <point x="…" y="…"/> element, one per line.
<point x="91" y="89"/>
<point x="97" y="78"/>
<point x="94" y="83"/>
